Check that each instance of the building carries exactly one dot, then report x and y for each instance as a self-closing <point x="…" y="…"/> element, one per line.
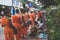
<point x="10" y="4"/>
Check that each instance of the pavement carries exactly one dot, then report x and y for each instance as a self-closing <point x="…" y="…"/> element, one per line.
<point x="1" y="33"/>
<point x="31" y="38"/>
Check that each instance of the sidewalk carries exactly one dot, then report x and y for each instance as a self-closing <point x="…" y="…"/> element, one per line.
<point x="1" y="33"/>
<point x="33" y="38"/>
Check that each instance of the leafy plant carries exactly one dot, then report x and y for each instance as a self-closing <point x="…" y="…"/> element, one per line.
<point x="53" y="22"/>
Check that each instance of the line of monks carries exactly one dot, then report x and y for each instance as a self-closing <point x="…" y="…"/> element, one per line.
<point x="18" y="21"/>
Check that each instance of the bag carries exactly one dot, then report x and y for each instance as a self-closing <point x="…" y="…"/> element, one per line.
<point x="14" y="29"/>
<point x="27" y="23"/>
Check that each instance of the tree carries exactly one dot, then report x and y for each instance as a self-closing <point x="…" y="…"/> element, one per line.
<point x="53" y="22"/>
<point x="57" y="1"/>
<point x="24" y="3"/>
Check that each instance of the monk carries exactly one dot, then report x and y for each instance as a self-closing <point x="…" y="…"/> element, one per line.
<point x="26" y="17"/>
<point x="16" y="20"/>
<point x="32" y="17"/>
<point x="39" y="14"/>
<point x="8" y="31"/>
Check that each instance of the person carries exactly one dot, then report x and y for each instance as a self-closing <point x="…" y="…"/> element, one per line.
<point x="26" y="16"/>
<point x="16" y="20"/>
<point x="39" y="14"/>
<point x="33" y="31"/>
<point x="24" y="19"/>
<point x="32" y="16"/>
<point x="8" y="31"/>
<point x="2" y="13"/>
<point x="43" y="35"/>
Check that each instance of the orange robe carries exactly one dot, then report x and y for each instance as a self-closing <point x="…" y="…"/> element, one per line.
<point x="26" y="17"/>
<point x="8" y="32"/>
<point x="4" y="21"/>
<point x="32" y="17"/>
<point x="17" y="25"/>
<point x="39" y="14"/>
<point x="9" y="35"/>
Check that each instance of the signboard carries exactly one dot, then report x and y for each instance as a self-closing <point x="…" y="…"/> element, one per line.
<point x="20" y="5"/>
<point x="6" y="2"/>
<point x="17" y="4"/>
<point x="30" y="4"/>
